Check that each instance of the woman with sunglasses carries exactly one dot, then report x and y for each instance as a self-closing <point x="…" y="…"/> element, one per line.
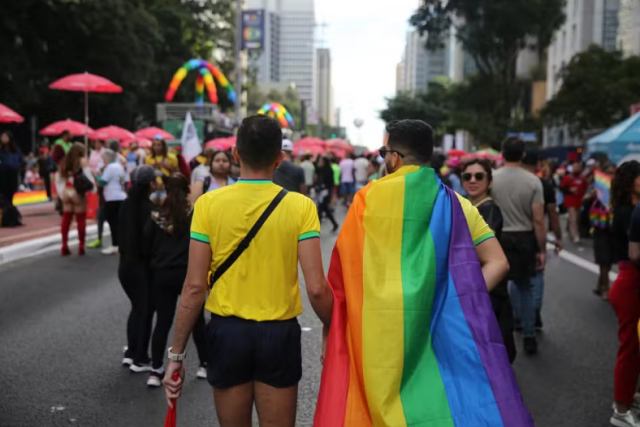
<point x="476" y="179"/>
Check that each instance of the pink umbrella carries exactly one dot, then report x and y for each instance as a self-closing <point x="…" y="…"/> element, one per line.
<point x="456" y="153"/>
<point x="111" y="132"/>
<point x="152" y="132"/>
<point x="86" y="83"/>
<point x="216" y="143"/>
<point x="76" y="128"/>
<point x="340" y="144"/>
<point x="7" y="115"/>
<point x="314" y="150"/>
<point x="486" y="155"/>
<point x="142" y="142"/>
<point x="309" y="141"/>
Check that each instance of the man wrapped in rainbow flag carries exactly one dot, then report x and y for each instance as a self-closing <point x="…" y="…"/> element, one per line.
<point x="413" y="338"/>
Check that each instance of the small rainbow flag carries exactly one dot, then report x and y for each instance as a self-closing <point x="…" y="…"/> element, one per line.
<point x="602" y="185"/>
<point x="413" y="339"/>
<point x="29" y="198"/>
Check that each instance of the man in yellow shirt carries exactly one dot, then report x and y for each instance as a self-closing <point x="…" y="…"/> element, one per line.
<point x="160" y="157"/>
<point x="254" y="336"/>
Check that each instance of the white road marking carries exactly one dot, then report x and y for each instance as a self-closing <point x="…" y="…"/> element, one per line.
<point x="306" y="329"/>
<point x="581" y="262"/>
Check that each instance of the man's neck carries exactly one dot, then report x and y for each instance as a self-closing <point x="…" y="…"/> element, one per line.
<point x="249" y="174"/>
<point x="512" y="164"/>
<point x="529" y="169"/>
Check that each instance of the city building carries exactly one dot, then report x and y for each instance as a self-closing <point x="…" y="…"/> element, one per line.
<point x="629" y="31"/>
<point x="288" y="55"/>
<point x="324" y="95"/>
<point x="400" y="76"/>
<point x="421" y="65"/>
<point x="588" y="22"/>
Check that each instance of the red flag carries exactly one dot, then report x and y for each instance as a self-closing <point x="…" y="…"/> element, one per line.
<point x="172" y="413"/>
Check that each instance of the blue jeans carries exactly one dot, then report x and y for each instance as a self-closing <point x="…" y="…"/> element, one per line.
<point x="525" y="298"/>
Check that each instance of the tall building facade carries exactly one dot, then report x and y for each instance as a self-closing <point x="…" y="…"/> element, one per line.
<point x="421" y="66"/>
<point x="629" y="31"/>
<point x="288" y="55"/>
<point x="324" y="93"/>
<point x="588" y="22"/>
<point x="400" y="76"/>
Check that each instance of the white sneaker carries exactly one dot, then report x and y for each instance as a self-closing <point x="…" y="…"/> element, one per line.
<point x="126" y="361"/>
<point x="202" y="373"/>
<point x="137" y="369"/>
<point x="628" y="419"/>
<point x="155" y="378"/>
<point x="111" y="250"/>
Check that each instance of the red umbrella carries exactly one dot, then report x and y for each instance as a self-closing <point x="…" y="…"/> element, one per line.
<point x="314" y="150"/>
<point x="86" y="83"/>
<point x="76" y="128"/>
<point x="218" y="143"/>
<point x="152" y="132"/>
<point x="111" y="132"/>
<point x="339" y="152"/>
<point x="142" y="142"/>
<point x="310" y="141"/>
<point x="456" y="153"/>
<point x="7" y="115"/>
<point x="340" y="144"/>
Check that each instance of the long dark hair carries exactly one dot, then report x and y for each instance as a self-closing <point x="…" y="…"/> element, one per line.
<point x="136" y="217"/>
<point x="623" y="183"/>
<point x="215" y="154"/>
<point x="72" y="160"/>
<point x="176" y="206"/>
<point x="11" y="146"/>
<point x="165" y="149"/>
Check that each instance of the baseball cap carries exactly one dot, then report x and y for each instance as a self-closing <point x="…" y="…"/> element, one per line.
<point x="158" y="136"/>
<point x="287" y="145"/>
<point x="144" y="175"/>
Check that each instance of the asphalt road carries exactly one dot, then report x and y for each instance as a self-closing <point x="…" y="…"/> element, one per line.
<point x="62" y="325"/>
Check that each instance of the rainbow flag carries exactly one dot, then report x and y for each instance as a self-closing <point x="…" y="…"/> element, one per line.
<point x="602" y="185"/>
<point x="413" y="339"/>
<point x="29" y="198"/>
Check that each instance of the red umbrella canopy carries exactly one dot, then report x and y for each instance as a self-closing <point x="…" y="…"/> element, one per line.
<point x="152" y="132"/>
<point x="217" y="143"/>
<point x="111" y="132"/>
<point x="76" y="128"/>
<point x="457" y="153"/>
<point x="310" y="141"/>
<point x="7" y="115"/>
<point x="314" y="150"/>
<point x="86" y="83"/>
<point x="142" y="142"/>
<point x="340" y="144"/>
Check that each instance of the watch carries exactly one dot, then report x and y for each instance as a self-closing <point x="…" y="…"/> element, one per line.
<point x="176" y="357"/>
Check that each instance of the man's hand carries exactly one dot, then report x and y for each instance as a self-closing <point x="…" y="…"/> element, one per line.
<point x="559" y="246"/>
<point x="173" y="388"/>
<point x="541" y="260"/>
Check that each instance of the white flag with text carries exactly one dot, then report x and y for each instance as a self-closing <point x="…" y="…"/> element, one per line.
<point x="190" y="142"/>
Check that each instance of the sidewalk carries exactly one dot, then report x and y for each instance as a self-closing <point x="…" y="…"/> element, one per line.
<point x="39" y="234"/>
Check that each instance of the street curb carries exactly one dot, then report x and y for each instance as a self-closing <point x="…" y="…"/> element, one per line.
<point x="34" y="247"/>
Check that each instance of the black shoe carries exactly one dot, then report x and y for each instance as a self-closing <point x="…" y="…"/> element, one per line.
<point x="517" y="325"/>
<point x="335" y="228"/>
<point x="530" y="345"/>
<point x="538" y="321"/>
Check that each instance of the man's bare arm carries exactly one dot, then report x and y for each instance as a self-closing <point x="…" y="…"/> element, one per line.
<point x="320" y="295"/>
<point x="554" y="224"/>
<point x="493" y="261"/>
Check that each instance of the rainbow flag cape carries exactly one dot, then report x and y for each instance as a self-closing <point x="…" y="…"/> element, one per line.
<point x="602" y="185"/>
<point x="29" y="198"/>
<point x="413" y="339"/>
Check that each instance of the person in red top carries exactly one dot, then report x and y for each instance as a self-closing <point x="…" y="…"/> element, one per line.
<point x="574" y="186"/>
<point x="183" y="166"/>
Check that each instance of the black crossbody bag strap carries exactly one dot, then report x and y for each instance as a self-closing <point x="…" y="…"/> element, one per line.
<point x="244" y="244"/>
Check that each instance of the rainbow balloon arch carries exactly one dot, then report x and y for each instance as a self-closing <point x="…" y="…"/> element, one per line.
<point x="278" y="111"/>
<point x="205" y="79"/>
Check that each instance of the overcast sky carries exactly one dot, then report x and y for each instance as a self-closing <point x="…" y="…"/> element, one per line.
<point x="366" y="38"/>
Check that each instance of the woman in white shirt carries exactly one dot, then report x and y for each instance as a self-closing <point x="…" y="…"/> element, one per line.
<point x="113" y="181"/>
<point x="73" y="181"/>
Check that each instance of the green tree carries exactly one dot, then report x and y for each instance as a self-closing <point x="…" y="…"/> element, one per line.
<point x="430" y="106"/>
<point x="598" y="87"/>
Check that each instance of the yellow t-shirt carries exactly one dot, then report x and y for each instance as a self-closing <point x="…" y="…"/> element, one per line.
<point x="171" y="160"/>
<point x="480" y="230"/>
<point x="263" y="283"/>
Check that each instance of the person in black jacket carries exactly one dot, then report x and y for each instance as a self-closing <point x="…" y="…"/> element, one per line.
<point x="133" y="269"/>
<point x="324" y="188"/>
<point x="167" y="235"/>
<point x="476" y="180"/>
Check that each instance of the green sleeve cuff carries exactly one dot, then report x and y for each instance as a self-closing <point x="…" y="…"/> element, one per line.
<point x="200" y="237"/>
<point x="308" y="235"/>
<point x="482" y="238"/>
<point x="100" y="180"/>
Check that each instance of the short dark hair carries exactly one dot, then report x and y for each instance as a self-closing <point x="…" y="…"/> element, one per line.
<point x="413" y="138"/>
<point x="531" y="158"/>
<point x="259" y="141"/>
<point x="513" y="149"/>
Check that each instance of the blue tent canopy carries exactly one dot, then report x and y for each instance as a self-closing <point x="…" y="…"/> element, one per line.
<point x="619" y="141"/>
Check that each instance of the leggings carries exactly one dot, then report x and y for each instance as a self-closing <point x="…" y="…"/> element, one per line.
<point x="112" y="212"/>
<point x="134" y="278"/>
<point x="167" y="287"/>
<point x="324" y="207"/>
<point x="625" y="300"/>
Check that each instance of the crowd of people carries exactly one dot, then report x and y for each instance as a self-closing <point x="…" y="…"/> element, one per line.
<point x="171" y="219"/>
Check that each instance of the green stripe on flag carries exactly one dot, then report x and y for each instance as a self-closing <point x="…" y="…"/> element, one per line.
<point x="422" y="389"/>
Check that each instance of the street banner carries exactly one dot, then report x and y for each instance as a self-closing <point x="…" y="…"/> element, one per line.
<point x="190" y="142"/>
<point x="252" y="29"/>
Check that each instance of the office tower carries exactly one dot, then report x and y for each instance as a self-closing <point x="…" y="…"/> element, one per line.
<point x="324" y="86"/>
<point x="421" y="65"/>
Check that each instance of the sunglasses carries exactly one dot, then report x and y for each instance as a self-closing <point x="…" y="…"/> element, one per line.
<point x="383" y="152"/>
<point x="479" y="176"/>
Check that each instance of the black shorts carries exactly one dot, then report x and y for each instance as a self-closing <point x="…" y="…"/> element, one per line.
<point x="520" y="248"/>
<point x="241" y="351"/>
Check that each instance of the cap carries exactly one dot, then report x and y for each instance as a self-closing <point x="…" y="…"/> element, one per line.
<point x="287" y="145"/>
<point x="158" y="136"/>
<point x="144" y="175"/>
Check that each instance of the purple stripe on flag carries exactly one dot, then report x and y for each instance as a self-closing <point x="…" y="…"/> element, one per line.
<point x="465" y="270"/>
